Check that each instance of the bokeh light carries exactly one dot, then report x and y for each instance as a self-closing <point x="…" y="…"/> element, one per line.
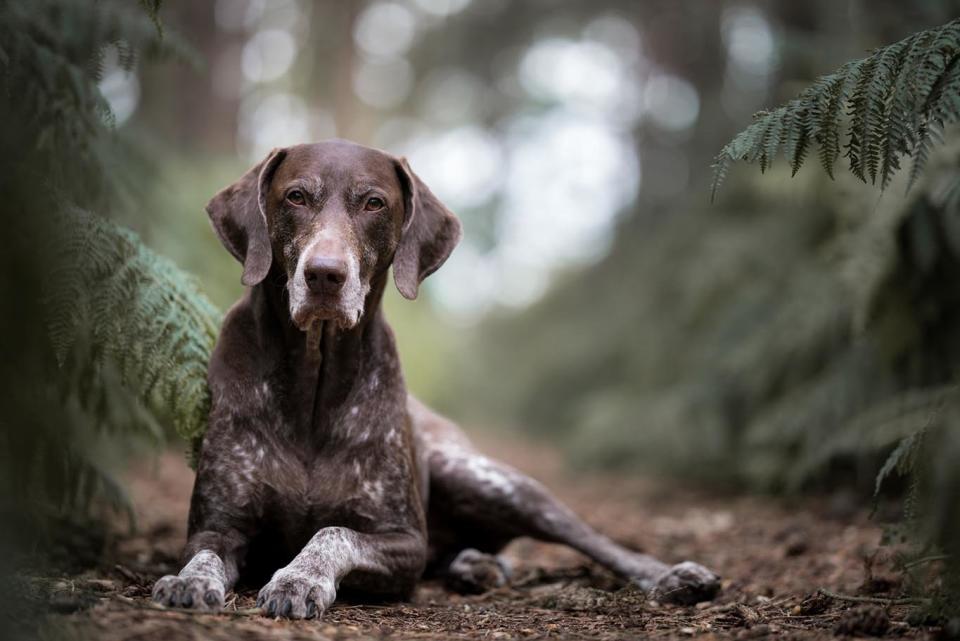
<point x="279" y="119"/>
<point x="383" y="83"/>
<point x="385" y="29"/>
<point x="120" y="87"/>
<point x="442" y="7"/>
<point x="671" y="102"/>
<point x="268" y="55"/>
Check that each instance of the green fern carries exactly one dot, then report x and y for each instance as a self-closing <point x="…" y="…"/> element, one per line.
<point x="51" y="58"/>
<point x="902" y="459"/>
<point x="110" y="300"/>
<point x="119" y="346"/>
<point x="891" y="104"/>
<point x="127" y="305"/>
<point x="866" y="402"/>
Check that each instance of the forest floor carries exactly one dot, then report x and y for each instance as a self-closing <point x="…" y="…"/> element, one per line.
<point x="774" y="556"/>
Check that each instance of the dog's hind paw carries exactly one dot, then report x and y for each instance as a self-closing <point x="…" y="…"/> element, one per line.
<point x="196" y="592"/>
<point x="686" y="583"/>
<point x="473" y="572"/>
<point x="294" y="595"/>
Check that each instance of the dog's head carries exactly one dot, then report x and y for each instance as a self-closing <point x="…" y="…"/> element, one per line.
<point x="333" y="216"/>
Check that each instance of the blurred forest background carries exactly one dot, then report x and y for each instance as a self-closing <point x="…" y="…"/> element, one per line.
<point x="787" y="337"/>
<point x="598" y="299"/>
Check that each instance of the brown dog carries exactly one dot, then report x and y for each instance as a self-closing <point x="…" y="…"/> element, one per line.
<point x="317" y="466"/>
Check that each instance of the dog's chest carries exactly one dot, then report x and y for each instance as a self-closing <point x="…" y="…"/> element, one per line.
<point x="353" y="487"/>
<point x="350" y="465"/>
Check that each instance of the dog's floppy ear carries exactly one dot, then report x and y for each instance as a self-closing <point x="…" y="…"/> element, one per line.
<point x="238" y="214"/>
<point x="430" y="232"/>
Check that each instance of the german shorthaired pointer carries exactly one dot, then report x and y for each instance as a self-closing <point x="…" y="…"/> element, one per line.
<point x="317" y="466"/>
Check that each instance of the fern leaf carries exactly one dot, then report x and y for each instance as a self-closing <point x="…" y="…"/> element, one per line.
<point x="900" y="459"/>
<point x="745" y="146"/>
<point x="902" y="117"/>
<point x="720" y="166"/>
<point x="827" y="96"/>
<point x="890" y="104"/>
<point x="928" y="134"/>
<point x="797" y="140"/>
<point x="859" y="141"/>
<point x="136" y="310"/>
<point x="888" y="63"/>
<point x="152" y="8"/>
<point x="772" y="138"/>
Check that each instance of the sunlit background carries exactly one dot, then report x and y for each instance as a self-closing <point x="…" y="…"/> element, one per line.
<point x="536" y="150"/>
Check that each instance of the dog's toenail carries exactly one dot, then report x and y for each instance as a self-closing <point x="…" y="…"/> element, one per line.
<point x="311" y="609"/>
<point x="287" y="608"/>
<point x="272" y="607"/>
<point x="260" y="601"/>
<point x="187" y="600"/>
<point x="210" y="598"/>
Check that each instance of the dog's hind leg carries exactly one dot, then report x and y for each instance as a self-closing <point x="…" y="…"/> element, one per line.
<point x="479" y="499"/>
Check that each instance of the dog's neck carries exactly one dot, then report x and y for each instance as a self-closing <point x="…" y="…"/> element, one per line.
<point x="327" y="363"/>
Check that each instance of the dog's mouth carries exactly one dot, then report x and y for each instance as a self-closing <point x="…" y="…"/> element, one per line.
<point x="308" y="314"/>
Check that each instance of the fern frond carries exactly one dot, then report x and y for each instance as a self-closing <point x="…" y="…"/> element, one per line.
<point x="858" y="141"/>
<point x="881" y="426"/>
<point x="901" y="459"/>
<point x="826" y="100"/>
<point x="721" y="164"/>
<point x="888" y="62"/>
<point x="136" y="310"/>
<point x="902" y="116"/>
<point x="893" y="103"/>
<point x="152" y="8"/>
<point x="52" y="54"/>
<point x="747" y="145"/>
<point x="797" y="140"/>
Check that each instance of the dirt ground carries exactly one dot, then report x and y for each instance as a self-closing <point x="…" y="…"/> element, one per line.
<point x="773" y="555"/>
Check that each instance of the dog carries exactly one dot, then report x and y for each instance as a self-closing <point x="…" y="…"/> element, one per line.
<point x="318" y="473"/>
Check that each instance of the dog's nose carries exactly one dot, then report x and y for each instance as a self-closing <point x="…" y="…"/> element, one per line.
<point x="325" y="275"/>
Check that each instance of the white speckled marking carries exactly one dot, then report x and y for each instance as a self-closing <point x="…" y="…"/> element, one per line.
<point x="373" y="490"/>
<point x="350" y="301"/>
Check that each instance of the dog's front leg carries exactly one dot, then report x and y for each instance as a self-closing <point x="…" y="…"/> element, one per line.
<point x="206" y="578"/>
<point x="224" y="509"/>
<point x="219" y="530"/>
<point x="384" y="563"/>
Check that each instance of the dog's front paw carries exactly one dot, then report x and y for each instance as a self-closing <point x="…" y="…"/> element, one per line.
<point x="473" y="572"/>
<point x="687" y="583"/>
<point x="198" y="592"/>
<point x="295" y="595"/>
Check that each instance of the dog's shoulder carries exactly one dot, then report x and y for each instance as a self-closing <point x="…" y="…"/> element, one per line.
<point x="240" y="354"/>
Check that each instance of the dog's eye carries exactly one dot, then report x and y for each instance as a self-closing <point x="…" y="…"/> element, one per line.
<point x="374" y="204"/>
<point x="296" y="197"/>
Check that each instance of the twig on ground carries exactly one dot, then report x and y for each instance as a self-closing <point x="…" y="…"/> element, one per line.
<point x="926" y="559"/>
<point x="870" y="599"/>
<point x="150" y="605"/>
<point x="127" y="573"/>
